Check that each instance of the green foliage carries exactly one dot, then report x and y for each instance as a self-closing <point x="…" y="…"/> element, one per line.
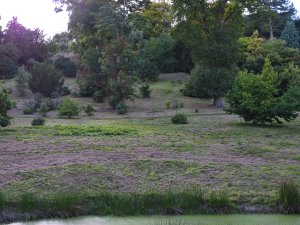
<point x="22" y="81"/>
<point x="268" y="17"/>
<point x="8" y="68"/>
<point x="45" y="80"/>
<point x="5" y="104"/>
<point x="122" y="108"/>
<point x="289" y="197"/>
<point x="89" y="110"/>
<point x="145" y="90"/>
<point x="255" y="98"/>
<point x="66" y="66"/>
<point x="30" y="43"/>
<point x="147" y="70"/>
<point x="179" y="119"/>
<point x="9" y="55"/>
<point x="38" y="121"/>
<point x="69" y="108"/>
<point x="290" y="35"/>
<point x="121" y="89"/>
<point x="208" y="82"/>
<point x="159" y="16"/>
<point x="159" y="51"/>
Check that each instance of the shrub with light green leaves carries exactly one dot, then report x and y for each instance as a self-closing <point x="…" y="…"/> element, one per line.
<point x="69" y="108"/>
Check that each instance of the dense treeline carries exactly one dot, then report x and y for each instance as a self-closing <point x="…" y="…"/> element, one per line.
<point x="120" y="43"/>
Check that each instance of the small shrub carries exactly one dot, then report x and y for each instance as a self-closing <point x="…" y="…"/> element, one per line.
<point x="168" y="105"/>
<point x="28" y="110"/>
<point x="69" y="108"/>
<point x="43" y="110"/>
<point x="179" y="119"/>
<point x="38" y="121"/>
<point x="196" y="110"/>
<point x="122" y="108"/>
<point x="89" y="110"/>
<point x="5" y="121"/>
<point x="99" y="96"/>
<point x="65" y="91"/>
<point x="289" y="197"/>
<point x="145" y="90"/>
<point x="52" y="104"/>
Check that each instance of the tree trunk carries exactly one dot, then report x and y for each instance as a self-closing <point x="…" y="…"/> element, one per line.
<point x="271" y="28"/>
<point x="218" y="102"/>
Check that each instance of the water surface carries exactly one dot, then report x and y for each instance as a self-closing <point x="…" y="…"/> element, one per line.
<point x="178" y="220"/>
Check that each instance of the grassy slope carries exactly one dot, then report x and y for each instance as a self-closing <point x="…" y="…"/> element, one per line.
<point x="214" y="151"/>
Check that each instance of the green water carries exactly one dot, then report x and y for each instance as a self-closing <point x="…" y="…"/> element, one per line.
<point x="182" y="220"/>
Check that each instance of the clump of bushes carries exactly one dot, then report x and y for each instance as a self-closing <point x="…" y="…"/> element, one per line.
<point x="38" y="121"/>
<point x="289" y="197"/>
<point x="45" y="79"/>
<point x="174" y="104"/>
<point x="41" y="105"/>
<point x="179" y="119"/>
<point x="69" y="108"/>
<point x="145" y="90"/>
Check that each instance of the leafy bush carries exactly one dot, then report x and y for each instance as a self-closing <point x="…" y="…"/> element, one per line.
<point x="168" y="105"/>
<point x="5" y="104"/>
<point x="253" y="97"/>
<point x="179" y="119"/>
<point x="66" y="66"/>
<point x="145" y="90"/>
<point x="122" y="108"/>
<point x="5" y="121"/>
<point x="38" y="121"/>
<point x="45" y="79"/>
<point x="289" y="197"/>
<point x="89" y="110"/>
<point x="99" y="96"/>
<point x="68" y="108"/>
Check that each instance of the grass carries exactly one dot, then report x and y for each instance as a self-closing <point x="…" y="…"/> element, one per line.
<point x="289" y="197"/>
<point x="122" y="204"/>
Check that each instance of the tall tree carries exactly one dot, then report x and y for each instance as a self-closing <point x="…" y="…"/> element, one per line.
<point x="269" y="17"/>
<point x="211" y="29"/>
<point x="31" y="43"/>
<point x="290" y="35"/>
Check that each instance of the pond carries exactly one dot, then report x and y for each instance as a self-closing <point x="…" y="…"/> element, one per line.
<point x="176" y="220"/>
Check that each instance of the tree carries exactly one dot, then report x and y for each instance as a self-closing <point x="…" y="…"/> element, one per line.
<point x="30" y="43"/>
<point x="269" y="17"/>
<point x="290" y="35"/>
<point x="5" y="104"/>
<point x="45" y="80"/>
<point x="160" y="17"/>
<point x="211" y="29"/>
<point x="9" y="55"/>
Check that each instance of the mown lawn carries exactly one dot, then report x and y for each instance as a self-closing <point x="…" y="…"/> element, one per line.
<point x="214" y="152"/>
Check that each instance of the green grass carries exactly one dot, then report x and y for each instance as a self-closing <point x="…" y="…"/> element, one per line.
<point x="123" y="204"/>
